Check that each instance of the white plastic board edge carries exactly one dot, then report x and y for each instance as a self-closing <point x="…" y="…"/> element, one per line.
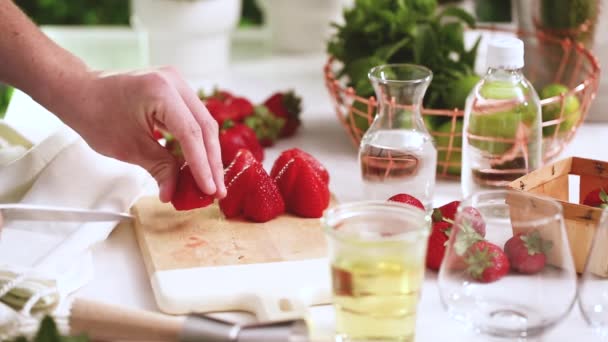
<point x="272" y="291"/>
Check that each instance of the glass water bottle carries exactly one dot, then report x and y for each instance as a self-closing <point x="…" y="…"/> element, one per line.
<point x="396" y="153"/>
<point x="502" y="137"/>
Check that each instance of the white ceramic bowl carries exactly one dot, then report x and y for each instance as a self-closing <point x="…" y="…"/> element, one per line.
<point x="301" y="26"/>
<point x="193" y="36"/>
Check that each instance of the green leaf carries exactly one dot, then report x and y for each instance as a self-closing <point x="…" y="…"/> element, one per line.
<point x="425" y="44"/>
<point x="459" y="13"/>
<point x="47" y="332"/>
<point x="603" y="196"/>
<point x="452" y="37"/>
<point x="358" y="69"/>
<point x="388" y="51"/>
<point x="469" y="57"/>
<point x="466" y="237"/>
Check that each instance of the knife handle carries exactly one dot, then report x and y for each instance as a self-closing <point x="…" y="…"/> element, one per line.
<point x="107" y="322"/>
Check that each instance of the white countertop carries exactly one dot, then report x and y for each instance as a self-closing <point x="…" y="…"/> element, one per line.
<point x="120" y="276"/>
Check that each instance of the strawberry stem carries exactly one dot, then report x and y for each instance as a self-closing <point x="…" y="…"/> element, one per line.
<point x="228" y="124"/>
<point x="603" y="196"/>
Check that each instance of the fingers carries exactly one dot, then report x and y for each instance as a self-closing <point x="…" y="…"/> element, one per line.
<point x="162" y="166"/>
<point x="181" y="123"/>
<point x="209" y="129"/>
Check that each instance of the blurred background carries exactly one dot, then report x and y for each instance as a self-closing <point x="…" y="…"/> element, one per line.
<point x="121" y="35"/>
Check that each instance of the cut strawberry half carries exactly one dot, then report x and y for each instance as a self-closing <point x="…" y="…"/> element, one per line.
<point x="407" y="199"/>
<point x="236" y="189"/>
<point x="287" y="155"/>
<point x="187" y="194"/>
<point x="304" y="192"/>
<point x="243" y="159"/>
<point x="263" y="201"/>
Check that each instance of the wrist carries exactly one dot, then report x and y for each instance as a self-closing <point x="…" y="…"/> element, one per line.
<point x="62" y="88"/>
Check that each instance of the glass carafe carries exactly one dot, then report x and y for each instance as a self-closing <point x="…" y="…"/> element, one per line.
<point x="396" y="154"/>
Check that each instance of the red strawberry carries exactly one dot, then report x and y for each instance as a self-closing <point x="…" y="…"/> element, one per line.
<point x="263" y="201"/>
<point x="157" y="134"/>
<point x="235" y="137"/>
<point x="241" y="106"/>
<point x="446" y="211"/>
<point x="187" y="194"/>
<point x="243" y="159"/>
<point x="239" y="185"/>
<point x="220" y="94"/>
<point x="407" y="199"/>
<point x="597" y="198"/>
<point x="304" y="192"/>
<point x="486" y="262"/>
<point x="287" y="155"/>
<point x="466" y="235"/>
<point x="221" y="111"/>
<point x="473" y="216"/>
<point x="436" y="245"/>
<point x="288" y="106"/>
<point x="527" y="252"/>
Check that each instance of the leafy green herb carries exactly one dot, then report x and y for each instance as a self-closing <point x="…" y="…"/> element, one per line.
<point x="48" y="332"/>
<point x="404" y="31"/>
<point x="6" y="93"/>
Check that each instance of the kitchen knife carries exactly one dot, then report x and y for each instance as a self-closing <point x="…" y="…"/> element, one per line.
<point x="107" y="322"/>
<point x="33" y="212"/>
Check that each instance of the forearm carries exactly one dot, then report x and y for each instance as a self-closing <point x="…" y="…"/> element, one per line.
<point x="35" y="64"/>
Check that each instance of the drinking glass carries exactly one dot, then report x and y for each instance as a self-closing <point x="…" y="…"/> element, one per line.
<point x="517" y="290"/>
<point x="593" y="292"/>
<point x="377" y="252"/>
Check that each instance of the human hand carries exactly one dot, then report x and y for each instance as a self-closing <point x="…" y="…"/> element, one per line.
<point x="116" y="115"/>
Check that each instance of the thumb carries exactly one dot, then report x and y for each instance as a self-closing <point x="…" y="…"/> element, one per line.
<point x="161" y="165"/>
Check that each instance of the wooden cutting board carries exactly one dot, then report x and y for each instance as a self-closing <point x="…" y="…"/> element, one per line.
<point x="198" y="261"/>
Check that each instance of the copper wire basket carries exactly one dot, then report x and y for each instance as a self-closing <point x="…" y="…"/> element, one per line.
<point x="548" y="59"/>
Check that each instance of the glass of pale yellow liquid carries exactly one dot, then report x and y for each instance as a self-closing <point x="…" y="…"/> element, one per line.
<point x="377" y="251"/>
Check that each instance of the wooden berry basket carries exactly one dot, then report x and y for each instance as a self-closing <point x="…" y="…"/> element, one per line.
<point x="553" y="181"/>
<point x="548" y="59"/>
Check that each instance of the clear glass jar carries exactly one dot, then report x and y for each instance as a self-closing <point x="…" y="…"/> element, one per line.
<point x="502" y="137"/>
<point x="396" y="154"/>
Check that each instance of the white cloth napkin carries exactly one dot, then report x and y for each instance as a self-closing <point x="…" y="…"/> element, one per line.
<point x="62" y="170"/>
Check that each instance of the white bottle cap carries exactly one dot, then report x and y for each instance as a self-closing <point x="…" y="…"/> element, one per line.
<point x="505" y="53"/>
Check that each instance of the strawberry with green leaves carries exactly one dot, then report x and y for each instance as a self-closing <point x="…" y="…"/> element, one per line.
<point x="266" y="126"/>
<point x="234" y="137"/>
<point x="527" y="253"/>
<point x="597" y="198"/>
<point x="466" y="235"/>
<point x="288" y="106"/>
<point x="445" y="212"/>
<point x="486" y="262"/>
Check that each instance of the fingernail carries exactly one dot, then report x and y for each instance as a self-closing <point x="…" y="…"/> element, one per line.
<point x="164" y="192"/>
<point x="211" y="187"/>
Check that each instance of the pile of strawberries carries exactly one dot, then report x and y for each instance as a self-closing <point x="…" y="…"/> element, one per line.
<point x="298" y="183"/>
<point x="480" y="259"/>
<point x="245" y="125"/>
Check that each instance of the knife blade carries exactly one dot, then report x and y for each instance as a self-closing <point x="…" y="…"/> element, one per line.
<point x="33" y="212"/>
